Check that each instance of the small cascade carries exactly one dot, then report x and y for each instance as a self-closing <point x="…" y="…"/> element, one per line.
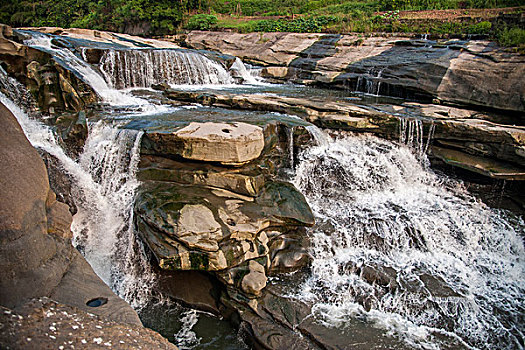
<point x="15" y="91"/>
<point x="248" y="76"/>
<point x="320" y="137"/>
<point x="402" y="249"/>
<point x="411" y="133"/>
<point x="105" y="185"/>
<point x="144" y="68"/>
<point x="370" y="82"/>
<point x="290" y="146"/>
<point x="255" y="72"/>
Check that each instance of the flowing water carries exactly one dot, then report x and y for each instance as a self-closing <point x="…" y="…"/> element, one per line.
<point x="144" y="68"/>
<point x="409" y="251"/>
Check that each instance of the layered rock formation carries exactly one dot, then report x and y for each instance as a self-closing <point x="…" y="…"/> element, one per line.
<point x="481" y="142"/>
<point x="55" y="88"/>
<point x="472" y="73"/>
<point x="37" y="258"/>
<point x="211" y="200"/>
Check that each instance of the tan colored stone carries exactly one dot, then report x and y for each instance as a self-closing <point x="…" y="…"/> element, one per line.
<point x="106" y="37"/>
<point x="197" y="228"/>
<point x="235" y="143"/>
<point x="255" y="281"/>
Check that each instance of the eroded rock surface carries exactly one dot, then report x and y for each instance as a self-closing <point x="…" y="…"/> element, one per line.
<point x="475" y="73"/>
<point x="210" y="200"/>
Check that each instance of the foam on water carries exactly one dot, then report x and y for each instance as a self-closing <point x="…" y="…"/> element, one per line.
<point x="408" y="250"/>
<point x="186" y="338"/>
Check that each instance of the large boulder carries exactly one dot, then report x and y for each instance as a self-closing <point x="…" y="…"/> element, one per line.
<point x="210" y="199"/>
<point x="36" y="255"/>
<point x="232" y="143"/>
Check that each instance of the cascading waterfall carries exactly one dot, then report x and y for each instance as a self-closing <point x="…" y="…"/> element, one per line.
<point x="144" y="68"/>
<point x="105" y="232"/>
<point x="84" y="70"/>
<point x="105" y="184"/>
<point x="399" y="247"/>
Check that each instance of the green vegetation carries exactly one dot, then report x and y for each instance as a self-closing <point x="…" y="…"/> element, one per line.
<point x="159" y="17"/>
<point x="201" y="22"/>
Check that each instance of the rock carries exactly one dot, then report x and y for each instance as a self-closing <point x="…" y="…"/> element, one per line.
<point x="42" y="323"/>
<point x="229" y="230"/>
<point x="255" y="281"/>
<point x="55" y="88"/>
<point x="232" y="144"/>
<point x="471" y="73"/>
<point x="491" y="168"/>
<point x="242" y="181"/>
<point x="487" y="136"/>
<point x="59" y="218"/>
<point x="29" y="256"/>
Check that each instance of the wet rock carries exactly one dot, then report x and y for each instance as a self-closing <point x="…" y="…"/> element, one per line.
<point x="55" y="88"/>
<point x="59" y="218"/>
<point x="255" y="281"/>
<point x="44" y="324"/>
<point x="242" y="181"/>
<point x="491" y="168"/>
<point x="229" y="227"/>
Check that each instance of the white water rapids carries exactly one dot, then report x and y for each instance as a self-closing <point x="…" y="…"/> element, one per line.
<point x="409" y="251"/>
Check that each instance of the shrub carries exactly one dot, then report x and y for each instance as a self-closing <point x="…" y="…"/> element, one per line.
<point x="201" y="22"/>
<point x="512" y="37"/>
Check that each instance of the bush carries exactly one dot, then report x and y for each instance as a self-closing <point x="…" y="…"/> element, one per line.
<point x="201" y="22"/>
<point x="512" y="37"/>
<point x="479" y="28"/>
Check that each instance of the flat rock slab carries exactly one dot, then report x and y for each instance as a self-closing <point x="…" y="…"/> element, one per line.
<point x="45" y="324"/>
<point x="484" y="166"/>
<point x="124" y="40"/>
<point x="221" y="142"/>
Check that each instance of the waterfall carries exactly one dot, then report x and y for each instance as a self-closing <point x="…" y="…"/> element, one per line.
<point x="105" y="185"/>
<point x="370" y="82"/>
<point x="144" y="68"/>
<point x="403" y="249"/>
<point x="84" y="71"/>
<point x="248" y="75"/>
